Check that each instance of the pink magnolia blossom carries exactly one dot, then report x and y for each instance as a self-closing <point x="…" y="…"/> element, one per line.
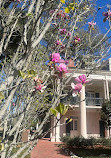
<point x="76" y="40"/>
<point x="37" y="79"/>
<point x="16" y="1"/>
<point x="76" y="88"/>
<point x="62" y="31"/>
<point x="92" y="24"/>
<point x="52" y="11"/>
<point x="81" y="79"/>
<point x="67" y="16"/>
<point x="62" y="46"/>
<point x="55" y="57"/>
<point x="107" y="14"/>
<point x="66" y="61"/>
<point x="62" y="68"/>
<point x="40" y="87"/>
<point x="68" y="34"/>
<point x="13" y="104"/>
<point x="58" y="42"/>
<point x="62" y="14"/>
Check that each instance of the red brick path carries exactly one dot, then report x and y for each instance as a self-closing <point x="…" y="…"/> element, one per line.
<point x="47" y="149"/>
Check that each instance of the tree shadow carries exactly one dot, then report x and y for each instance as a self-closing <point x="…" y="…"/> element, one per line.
<point x="61" y="151"/>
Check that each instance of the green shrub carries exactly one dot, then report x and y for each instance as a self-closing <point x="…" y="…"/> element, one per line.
<point x="65" y="139"/>
<point x="83" y="142"/>
<point x="104" y="141"/>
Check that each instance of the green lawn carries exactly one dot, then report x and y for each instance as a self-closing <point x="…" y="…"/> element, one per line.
<point x="91" y="153"/>
<point x="15" y="150"/>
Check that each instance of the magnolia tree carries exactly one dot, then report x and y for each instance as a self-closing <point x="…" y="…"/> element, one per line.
<point x="37" y="40"/>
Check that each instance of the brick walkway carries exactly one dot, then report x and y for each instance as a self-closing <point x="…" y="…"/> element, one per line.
<point x="47" y="149"/>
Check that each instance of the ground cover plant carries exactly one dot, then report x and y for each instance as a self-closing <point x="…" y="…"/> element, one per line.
<point x="87" y="147"/>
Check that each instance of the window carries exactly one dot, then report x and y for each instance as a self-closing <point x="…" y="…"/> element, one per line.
<point x="90" y="98"/>
<point x="90" y="94"/>
<point x="73" y="125"/>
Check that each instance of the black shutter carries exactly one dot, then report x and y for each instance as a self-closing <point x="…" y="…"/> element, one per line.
<point x="97" y="100"/>
<point x="97" y="95"/>
<point x="102" y="128"/>
<point x="68" y="127"/>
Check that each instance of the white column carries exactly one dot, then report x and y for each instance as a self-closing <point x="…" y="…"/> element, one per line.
<point x="57" y="138"/>
<point x="109" y="64"/>
<point x="52" y="133"/>
<point x="107" y="88"/>
<point x="105" y="92"/>
<point x="83" y="126"/>
<point x="55" y="132"/>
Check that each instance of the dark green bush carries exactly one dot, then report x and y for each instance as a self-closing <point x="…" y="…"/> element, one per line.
<point x="65" y="139"/>
<point x="83" y="142"/>
<point x="104" y="141"/>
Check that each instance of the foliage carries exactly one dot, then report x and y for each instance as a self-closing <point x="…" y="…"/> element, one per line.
<point x="89" y="148"/>
<point x="106" y="113"/>
<point x="81" y="142"/>
<point x="61" y="108"/>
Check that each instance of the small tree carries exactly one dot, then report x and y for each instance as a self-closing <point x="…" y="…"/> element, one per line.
<point x="106" y="114"/>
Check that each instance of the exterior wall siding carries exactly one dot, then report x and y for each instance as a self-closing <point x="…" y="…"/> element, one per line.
<point x="93" y="123"/>
<point x="93" y="118"/>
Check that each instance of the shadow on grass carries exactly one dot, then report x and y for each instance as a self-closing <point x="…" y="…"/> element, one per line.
<point x="90" y="153"/>
<point x="61" y="151"/>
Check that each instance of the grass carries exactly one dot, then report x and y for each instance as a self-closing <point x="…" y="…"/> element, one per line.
<point x="92" y="152"/>
<point x="89" y="153"/>
<point x="16" y="149"/>
<point x="87" y="148"/>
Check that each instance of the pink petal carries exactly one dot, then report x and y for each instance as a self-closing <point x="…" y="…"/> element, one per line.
<point x="109" y="13"/>
<point x="55" y="57"/>
<point x="73" y="85"/>
<point x="62" y="67"/>
<point x="105" y="14"/>
<point x="89" y="23"/>
<point x="74" y="94"/>
<point x="78" y="80"/>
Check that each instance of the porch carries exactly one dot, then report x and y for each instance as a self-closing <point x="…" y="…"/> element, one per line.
<point x="90" y="101"/>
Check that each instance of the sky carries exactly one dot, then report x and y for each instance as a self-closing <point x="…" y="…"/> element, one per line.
<point x="103" y="26"/>
<point x="99" y="17"/>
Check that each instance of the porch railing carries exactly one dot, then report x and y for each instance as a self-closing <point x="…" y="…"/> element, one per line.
<point x="76" y="100"/>
<point x="94" y="101"/>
